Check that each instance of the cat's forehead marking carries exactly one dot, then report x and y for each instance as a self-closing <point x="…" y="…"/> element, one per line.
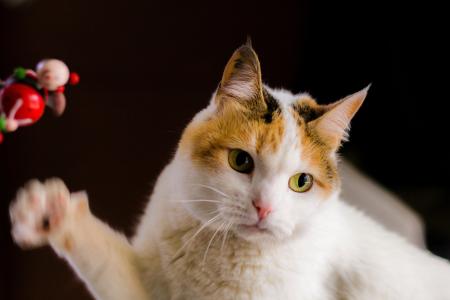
<point x="273" y="108"/>
<point x="307" y="108"/>
<point x="269" y="135"/>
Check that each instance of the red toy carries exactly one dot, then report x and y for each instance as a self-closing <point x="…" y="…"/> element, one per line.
<point x="24" y="95"/>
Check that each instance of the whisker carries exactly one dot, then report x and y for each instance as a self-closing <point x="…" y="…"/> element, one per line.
<point x="207" y="223"/>
<point x="228" y="227"/>
<point x="210" y="242"/>
<point x="232" y="207"/>
<point x="212" y="189"/>
<point x="214" y="211"/>
<point x="198" y="200"/>
<point x="239" y="215"/>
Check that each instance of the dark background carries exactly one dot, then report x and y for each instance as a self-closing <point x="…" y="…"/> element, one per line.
<point x="146" y="67"/>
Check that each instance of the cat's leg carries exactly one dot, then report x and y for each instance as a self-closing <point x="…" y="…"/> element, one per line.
<point x="46" y="213"/>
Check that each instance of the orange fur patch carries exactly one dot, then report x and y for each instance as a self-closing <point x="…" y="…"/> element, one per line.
<point x="318" y="154"/>
<point x="235" y="126"/>
<point x="68" y="243"/>
<point x="315" y="150"/>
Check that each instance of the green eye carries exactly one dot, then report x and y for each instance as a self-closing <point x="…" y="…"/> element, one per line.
<point x="240" y="161"/>
<point x="301" y="182"/>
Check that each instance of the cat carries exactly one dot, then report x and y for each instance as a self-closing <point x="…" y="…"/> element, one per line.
<point x="248" y="208"/>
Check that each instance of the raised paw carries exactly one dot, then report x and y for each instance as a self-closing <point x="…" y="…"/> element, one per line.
<point x="38" y="211"/>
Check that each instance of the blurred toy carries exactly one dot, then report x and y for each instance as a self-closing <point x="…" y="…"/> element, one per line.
<point x="24" y="95"/>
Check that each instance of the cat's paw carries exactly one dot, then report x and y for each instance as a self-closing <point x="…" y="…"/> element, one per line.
<point x="39" y="211"/>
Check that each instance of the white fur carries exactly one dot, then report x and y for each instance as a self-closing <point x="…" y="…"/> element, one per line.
<point x="308" y="247"/>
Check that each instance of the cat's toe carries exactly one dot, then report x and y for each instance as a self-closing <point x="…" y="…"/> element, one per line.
<point x="57" y="201"/>
<point x="38" y="210"/>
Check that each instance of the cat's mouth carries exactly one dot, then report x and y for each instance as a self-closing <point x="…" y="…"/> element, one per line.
<point x="254" y="228"/>
<point x="255" y="233"/>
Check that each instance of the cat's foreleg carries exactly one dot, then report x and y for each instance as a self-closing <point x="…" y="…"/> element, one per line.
<point x="46" y="213"/>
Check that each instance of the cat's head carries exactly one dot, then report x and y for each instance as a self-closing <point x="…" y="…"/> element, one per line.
<point x="261" y="162"/>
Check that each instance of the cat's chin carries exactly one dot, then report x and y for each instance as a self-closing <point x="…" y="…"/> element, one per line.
<point x="255" y="233"/>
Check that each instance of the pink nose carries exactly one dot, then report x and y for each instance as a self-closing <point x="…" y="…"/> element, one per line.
<point x="263" y="209"/>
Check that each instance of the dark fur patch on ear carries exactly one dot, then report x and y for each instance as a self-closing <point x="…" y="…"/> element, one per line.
<point x="272" y="107"/>
<point x="309" y="111"/>
<point x="238" y="63"/>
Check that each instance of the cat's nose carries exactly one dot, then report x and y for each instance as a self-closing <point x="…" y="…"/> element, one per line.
<point x="263" y="209"/>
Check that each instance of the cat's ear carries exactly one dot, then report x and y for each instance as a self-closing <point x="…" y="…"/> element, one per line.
<point x="334" y="124"/>
<point x="241" y="78"/>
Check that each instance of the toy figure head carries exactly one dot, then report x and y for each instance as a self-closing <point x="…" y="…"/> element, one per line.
<point x="52" y="73"/>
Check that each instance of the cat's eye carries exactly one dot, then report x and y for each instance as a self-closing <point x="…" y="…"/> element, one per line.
<point x="301" y="182"/>
<point x="240" y="161"/>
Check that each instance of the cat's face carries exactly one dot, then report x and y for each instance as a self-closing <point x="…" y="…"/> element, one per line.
<point x="262" y="162"/>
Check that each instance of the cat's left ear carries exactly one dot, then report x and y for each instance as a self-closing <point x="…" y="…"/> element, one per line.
<point x="241" y="79"/>
<point x="334" y="124"/>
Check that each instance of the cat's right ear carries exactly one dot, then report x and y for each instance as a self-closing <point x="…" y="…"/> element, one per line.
<point x="241" y="78"/>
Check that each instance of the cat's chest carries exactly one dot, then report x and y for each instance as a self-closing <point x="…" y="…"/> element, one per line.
<point x="235" y="270"/>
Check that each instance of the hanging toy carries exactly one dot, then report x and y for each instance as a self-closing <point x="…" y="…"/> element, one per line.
<point x="25" y="94"/>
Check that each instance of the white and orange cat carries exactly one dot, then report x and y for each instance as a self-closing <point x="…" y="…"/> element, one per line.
<point x="248" y="208"/>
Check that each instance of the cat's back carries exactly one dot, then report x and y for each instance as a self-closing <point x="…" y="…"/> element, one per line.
<point x="374" y="263"/>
